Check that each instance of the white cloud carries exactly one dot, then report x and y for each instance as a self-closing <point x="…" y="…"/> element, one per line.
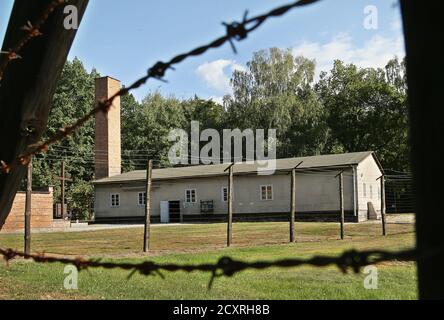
<point x="216" y="74"/>
<point x="373" y="53"/>
<point x="218" y="100"/>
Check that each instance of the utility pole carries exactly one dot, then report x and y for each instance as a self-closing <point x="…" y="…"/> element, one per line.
<point x="341" y="202"/>
<point x="230" y="205"/>
<point x="28" y="210"/>
<point x="62" y="179"/>
<point x="146" y="237"/>
<point x="293" y="204"/>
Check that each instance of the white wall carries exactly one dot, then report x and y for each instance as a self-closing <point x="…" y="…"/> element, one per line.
<point x="369" y="188"/>
<point x="316" y="192"/>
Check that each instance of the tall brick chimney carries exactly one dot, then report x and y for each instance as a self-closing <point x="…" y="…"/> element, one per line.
<point x="107" y="138"/>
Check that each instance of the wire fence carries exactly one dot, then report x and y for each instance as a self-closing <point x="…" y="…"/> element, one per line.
<point x="400" y="197"/>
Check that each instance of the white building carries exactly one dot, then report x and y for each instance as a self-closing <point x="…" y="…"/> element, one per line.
<point x="199" y="193"/>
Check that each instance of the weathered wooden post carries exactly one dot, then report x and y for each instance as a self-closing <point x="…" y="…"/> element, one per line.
<point x="28" y="210"/>
<point x="28" y="87"/>
<point x="230" y="206"/>
<point x="423" y="48"/>
<point x="341" y="202"/>
<point x="384" y="230"/>
<point x="146" y="237"/>
<point x="293" y="204"/>
<point x="341" y="192"/>
<point x="62" y="192"/>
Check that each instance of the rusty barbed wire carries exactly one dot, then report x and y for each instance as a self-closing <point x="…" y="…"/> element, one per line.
<point x="234" y="31"/>
<point x="32" y="31"/>
<point x="349" y="260"/>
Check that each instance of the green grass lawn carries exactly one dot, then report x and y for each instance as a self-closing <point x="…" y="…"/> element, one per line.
<point x="205" y="243"/>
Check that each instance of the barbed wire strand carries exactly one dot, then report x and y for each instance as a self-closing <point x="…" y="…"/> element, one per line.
<point x="234" y="31"/>
<point x="349" y="260"/>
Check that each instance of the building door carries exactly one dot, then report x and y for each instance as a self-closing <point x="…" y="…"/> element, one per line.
<point x="165" y="212"/>
<point x="175" y="211"/>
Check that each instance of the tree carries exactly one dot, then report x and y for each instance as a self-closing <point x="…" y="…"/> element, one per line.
<point x="73" y="98"/>
<point x="276" y="91"/>
<point x="80" y="197"/>
<point x="146" y="129"/>
<point x="207" y="112"/>
<point x="129" y="108"/>
<point x="367" y="110"/>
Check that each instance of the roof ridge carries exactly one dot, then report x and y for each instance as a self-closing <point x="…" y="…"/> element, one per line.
<point x="317" y="161"/>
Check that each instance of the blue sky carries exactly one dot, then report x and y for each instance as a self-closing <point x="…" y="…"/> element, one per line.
<point x="123" y="38"/>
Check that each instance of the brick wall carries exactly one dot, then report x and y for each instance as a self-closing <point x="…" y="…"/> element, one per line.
<point x="41" y="213"/>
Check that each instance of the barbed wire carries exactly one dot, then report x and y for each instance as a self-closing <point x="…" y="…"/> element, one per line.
<point x="234" y="31"/>
<point x="32" y="31"/>
<point x="351" y="260"/>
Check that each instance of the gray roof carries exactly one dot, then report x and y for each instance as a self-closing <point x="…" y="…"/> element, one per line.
<point x="323" y="161"/>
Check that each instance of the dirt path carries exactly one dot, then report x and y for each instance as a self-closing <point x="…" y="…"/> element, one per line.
<point x="401" y="218"/>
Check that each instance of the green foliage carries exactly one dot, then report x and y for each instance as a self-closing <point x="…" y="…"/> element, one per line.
<point x="277" y="92"/>
<point x="147" y="127"/>
<point x="367" y="110"/>
<point x="73" y="98"/>
<point x="80" y="196"/>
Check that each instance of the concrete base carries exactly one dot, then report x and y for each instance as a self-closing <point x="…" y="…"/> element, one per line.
<point x="243" y="217"/>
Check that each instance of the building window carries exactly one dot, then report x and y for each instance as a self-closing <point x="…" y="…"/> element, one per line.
<point x="266" y="192"/>
<point x="371" y="192"/>
<point x="365" y="190"/>
<point x="115" y="200"/>
<point x="190" y="196"/>
<point x="224" y="194"/>
<point x="142" y="198"/>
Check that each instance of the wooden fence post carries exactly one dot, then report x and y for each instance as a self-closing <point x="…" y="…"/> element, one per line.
<point x="28" y="210"/>
<point x="146" y="237"/>
<point x="230" y="206"/>
<point x="341" y="203"/>
<point x="384" y="230"/>
<point x="62" y="191"/>
<point x="293" y="205"/>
